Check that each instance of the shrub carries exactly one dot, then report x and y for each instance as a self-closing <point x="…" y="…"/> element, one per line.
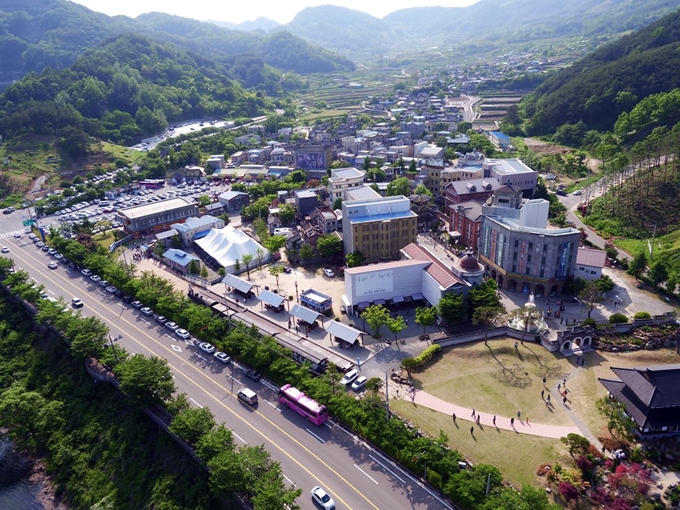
<point x="589" y="322"/>
<point x="427" y="354"/>
<point x="618" y="318"/>
<point x="642" y="315"/>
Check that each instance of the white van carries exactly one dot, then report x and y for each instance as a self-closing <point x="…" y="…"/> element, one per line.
<point x="248" y="396"/>
<point x="349" y="377"/>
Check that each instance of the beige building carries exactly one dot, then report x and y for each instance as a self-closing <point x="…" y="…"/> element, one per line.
<point x="378" y="227"/>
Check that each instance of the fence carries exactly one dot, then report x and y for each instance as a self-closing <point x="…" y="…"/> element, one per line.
<point x="116" y="244"/>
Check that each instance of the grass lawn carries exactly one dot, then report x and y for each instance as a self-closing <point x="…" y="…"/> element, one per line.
<point x="516" y="455"/>
<point x="496" y="379"/>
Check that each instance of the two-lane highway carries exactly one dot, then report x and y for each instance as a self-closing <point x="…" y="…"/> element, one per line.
<point x="354" y="474"/>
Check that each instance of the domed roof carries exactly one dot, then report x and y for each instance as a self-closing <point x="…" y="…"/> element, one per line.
<point x="469" y="262"/>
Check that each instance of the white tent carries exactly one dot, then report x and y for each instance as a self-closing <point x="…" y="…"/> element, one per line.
<point x="227" y="245"/>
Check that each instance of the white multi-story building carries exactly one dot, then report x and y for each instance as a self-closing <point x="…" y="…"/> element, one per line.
<point x="512" y="172"/>
<point x="343" y="180"/>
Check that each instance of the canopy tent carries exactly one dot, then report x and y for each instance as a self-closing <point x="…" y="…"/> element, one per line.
<point x="239" y="284"/>
<point x="227" y="246"/>
<point x="271" y="299"/>
<point x="343" y="331"/>
<point x="305" y="314"/>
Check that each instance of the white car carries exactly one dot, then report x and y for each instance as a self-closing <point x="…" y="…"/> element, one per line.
<point x="349" y="377"/>
<point x="95" y="278"/>
<point x="76" y="302"/>
<point x="322" y="498"/>
<point x="329" y="272"/>
<point x="146" y="311"/>
<point x="171" y="325"/>
<point x="206" y="347"/>
<point x="137" y="304"/>
<point x="5" y="249"/>
<point x="223" y="357"/>
<point x="182" y="333"/>
<point x="86" y="272"/>
<point x="52" y="265"/>
<point x="577" y="192"/>
<point x="359" y="383"/>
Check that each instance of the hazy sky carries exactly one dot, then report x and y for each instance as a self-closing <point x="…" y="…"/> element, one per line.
<point x="235" y="11"/>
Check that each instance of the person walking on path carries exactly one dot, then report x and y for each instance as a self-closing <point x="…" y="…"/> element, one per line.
<point x="454" y="417"/>
<point x="564" y="383"/>
<point x="544" y="381"/>
<point x="519" y="415"/>
<point x="512" y="422"/>
<point x="558" y="387"/>
<point x="542" y="394"/>
<point x="494" y="420"/>
<point x="473" y="413"/>
<point x="564" y="401"/>
<point x="527" y="420"/>
<point x="472" y="431"/>
<point x="478" y="417"/>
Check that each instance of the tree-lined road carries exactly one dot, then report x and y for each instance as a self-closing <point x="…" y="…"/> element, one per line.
<point x="356" y="476"/>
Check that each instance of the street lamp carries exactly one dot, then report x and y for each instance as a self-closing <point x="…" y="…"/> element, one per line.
<point x="297" y="294"/>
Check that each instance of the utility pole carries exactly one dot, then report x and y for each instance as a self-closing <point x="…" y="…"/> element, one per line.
<point x="651" y="249"/>
<point x="387" y="396"/>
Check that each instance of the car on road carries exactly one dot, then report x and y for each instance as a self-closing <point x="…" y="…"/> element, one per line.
<point x="161" y="319"/>
<point x="577" y="192"/>
<point x="328" y="272"/>
<point x="111" y="289"/>
<point x="86" y="272"/>
<point x="95" y="278"/>
<point x="76" y="302"/>
<point x="206" y="347"/>
<point x="103" y="283"/>
<point x="248" y="396"/>
<point x="182" y="333"/>
<point x="5" y="249"/>
<point x="137" y="304"/>
<point x="52" y="265"/>
<point x="171" y="325"/>
<point x="58" y="256"/>
<point x="561" y="193"/>
<point x="253" y="374"/>
<point x="146" y="311"/>
<point x="51" y="251"/>
<point x="322" y="498"/>
<point x="18" y="235"/>
<point x="359" y="383"/>
<point x="45" y="248"/>
<point x="221" y="356"/>
<point x="9" y="210"/>
<point x="349" y="377"/>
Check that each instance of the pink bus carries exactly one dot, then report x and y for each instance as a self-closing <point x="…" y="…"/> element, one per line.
<point x="303" y="405"/>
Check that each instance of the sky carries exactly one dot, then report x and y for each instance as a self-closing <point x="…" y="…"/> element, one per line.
<point x="235" y="11"/>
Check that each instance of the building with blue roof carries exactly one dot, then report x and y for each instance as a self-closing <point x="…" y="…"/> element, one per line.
<point x="179" y="259"/>
<point x="196" y="228"/>
<point x="500" y="140"/>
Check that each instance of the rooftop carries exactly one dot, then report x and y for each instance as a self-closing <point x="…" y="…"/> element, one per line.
<point x="591" y="257"/>
<point x="155" y="208"/>
<point x="508" y="166"/>
<point x="437" y="269"/>
<point x="386" y="265"/>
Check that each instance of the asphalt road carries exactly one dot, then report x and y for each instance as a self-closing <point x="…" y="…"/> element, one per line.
<point x="355" y="475"/>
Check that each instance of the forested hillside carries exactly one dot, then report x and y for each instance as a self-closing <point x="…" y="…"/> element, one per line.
<point x="35" y="34"/>
<point x="127" y="88"/>
<point x="609" y="81"/>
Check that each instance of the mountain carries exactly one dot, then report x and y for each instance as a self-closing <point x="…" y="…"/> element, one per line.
<point x="35" y="34"/>
<point x="261" y="23"/>
<point x="610" y="80"/>
<point x="125" y="89"/>
<point x="500" y="22"/>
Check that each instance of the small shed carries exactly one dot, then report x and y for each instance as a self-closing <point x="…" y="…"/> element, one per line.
<point x="243" y="287"/>
<point x="272" y="301"/>
<point x="343" y="333"/>
<point x="305" y="316"/>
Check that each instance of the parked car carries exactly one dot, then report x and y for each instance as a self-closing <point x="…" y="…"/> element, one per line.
<point x="328" y="272"/>
<point x="95" y="278"/>
<point x="5" y="249"/>
<point x="111" y="289"/>
<point x="359" y="383"/>
<point x="146" y="311"/>
<point x="561" y="193"/>
<point x="86" y="272"/>
<point x="137" y="304"/>
<point x="172" y="326"/>
<point x="161" y="319"/>
<point x="349" y="377"/>
<point x="206" y="347"/>
<point x="223" y="357"/>
<point x="182" y="333"/>
<point x="253" y="374"/>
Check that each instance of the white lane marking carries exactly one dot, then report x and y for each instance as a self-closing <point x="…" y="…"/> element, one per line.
<point x="289" y="481"/>
<point x="329" y="425"/>
<point x="199" y="356"/>
<point x="312" y="433"/>
<point x="144" y="320"/>
<point x="122" y="306"/>
<point x="199" y="405"/>
<point x="239" y="437"/>
<point x="387" y="469"/>
<point x="176" y="348"/>
<point x="269" y="385"/>
<point x="366" y="474"/>
<point x="274" y="406"/>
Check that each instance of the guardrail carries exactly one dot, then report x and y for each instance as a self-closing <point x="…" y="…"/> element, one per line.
<point x="116" y="244"/>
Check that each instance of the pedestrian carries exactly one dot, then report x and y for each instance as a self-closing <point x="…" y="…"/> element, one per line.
<point x="454" y="417"/>
<point x="519" y="415"/>
<point x="494" y="420"/>
<point x="527" y="421"/>
<point x="603" y="449"/>
<point x="548" y="399"/>
<point x="515" y="344"/>
<point x="561" y="320"/>
<point x="542" y="394"/>
<point x="478" y="417"/>
<point x="558" y="387"/>
<point x="564" y="383"/>
<point x="564" y="401"/>
<point x="473" y="413"/>
<point x="544" y="381"/>
<point x="472" y="431"/>
<point x="512" y="421"/>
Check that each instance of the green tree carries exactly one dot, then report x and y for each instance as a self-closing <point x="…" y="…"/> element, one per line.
<point x="247" y="259"/>
<point x="658" y="273"/>
<point x="276" y="271"/>
<point x="176" y="242"/>
<point x="399" y="186"/>
<point x="605" y="283"/>
<point x="146" y="380"/>
<point x="425" y="316"/>
<point x="638" y="265"/>
<point x="468" y="487"/>
<point x="194" y="267"/>
<point x="192" y="424"/>
<point x="485" y="294"/>
<point x="204" y="200"/>
<point x="329" y="245"/>
<point x="286" y="213"/>
<point x="260" y="255"/>
<point x="274" y="244"/>
<point x="376" y="316"/>
<point x="421" y="189"/>
<point x="337" y="204"/>
<point x="214" y="441"/>
<point x="618" y="422"/>
<point x="203" y="273"/>
<point x="355" y="259"/>
<point x="306" y="252"/>
<point x="529" y="315"/>
<point x="413" y="167"/>
<point x="87" y="337"/>
<point x="618" y="318"/>
<point x="452" y="308"/>
<point x="576" y="444"/>
<point x="396" y="324"/>
<point x="590" y="295"/>
<point x="409" y="364"/>
<point x="487" y="315"/>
